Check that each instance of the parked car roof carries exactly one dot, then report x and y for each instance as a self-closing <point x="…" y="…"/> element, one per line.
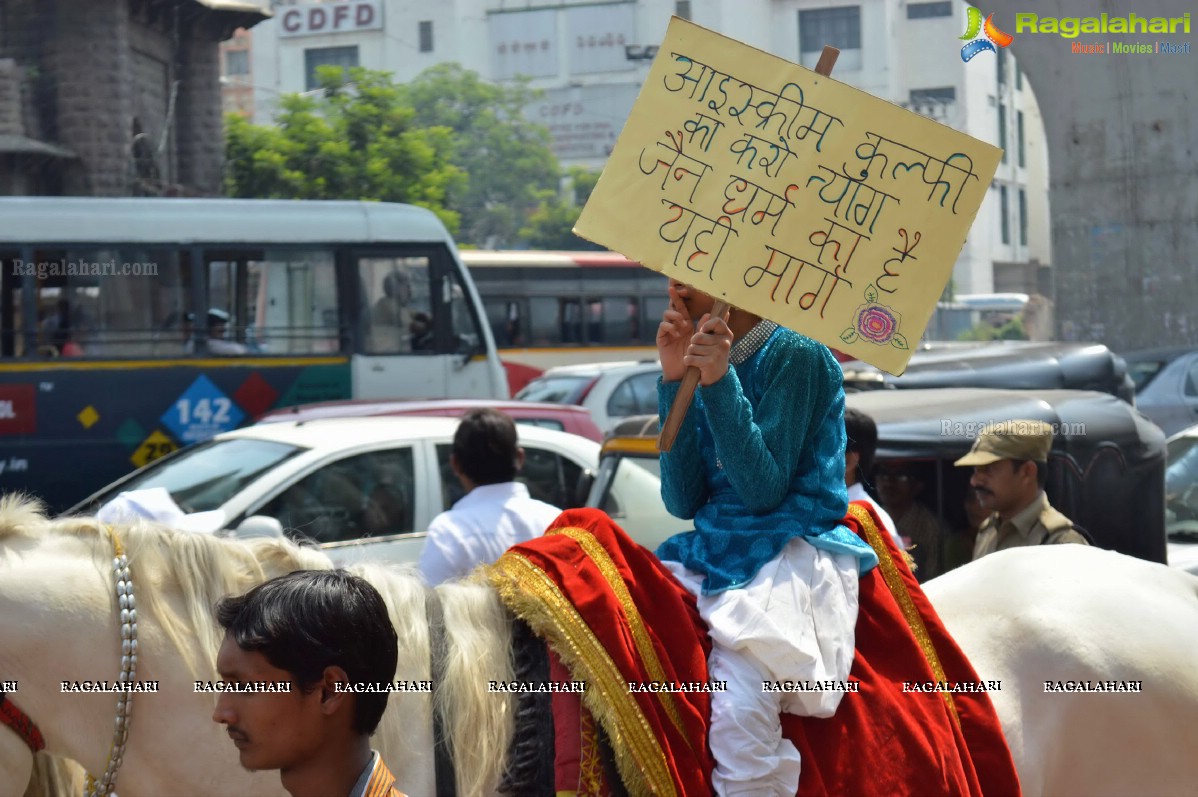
<point x="562" y="417"/>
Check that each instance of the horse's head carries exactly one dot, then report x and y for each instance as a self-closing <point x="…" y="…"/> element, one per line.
<point x="60" y="622"/>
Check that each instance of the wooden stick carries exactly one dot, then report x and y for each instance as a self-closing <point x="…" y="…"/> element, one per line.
<point x="690" y="380"/>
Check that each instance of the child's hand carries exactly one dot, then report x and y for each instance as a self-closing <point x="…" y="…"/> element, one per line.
<point x="708" y="350"/>
<point x="674" y="337"/>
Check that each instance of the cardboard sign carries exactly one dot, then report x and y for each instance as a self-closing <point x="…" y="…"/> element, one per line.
<point x="790" y="195"/>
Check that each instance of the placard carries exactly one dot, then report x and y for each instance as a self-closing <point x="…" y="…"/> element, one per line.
<point x="790" y="195"/>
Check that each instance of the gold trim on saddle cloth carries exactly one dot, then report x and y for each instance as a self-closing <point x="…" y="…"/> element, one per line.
<point x="529" y="593"/>
<point x="898" y="588"/>
<point x="644" y="645"/>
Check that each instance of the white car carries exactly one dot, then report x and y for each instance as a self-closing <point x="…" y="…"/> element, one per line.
<point x="361" y="488"/>
<point x="611" y="391"/>
<point x="1181" y="500"/>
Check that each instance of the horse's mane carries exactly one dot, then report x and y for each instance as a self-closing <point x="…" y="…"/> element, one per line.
<point x="180" y="576"/>
<point x="199" y="569"/>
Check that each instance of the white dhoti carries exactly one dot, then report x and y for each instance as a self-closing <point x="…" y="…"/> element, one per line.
<point x="796" y="621"/>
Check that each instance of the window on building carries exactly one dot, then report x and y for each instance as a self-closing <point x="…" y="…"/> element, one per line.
<point x="1002" y="66"/>
<point x="1002" y="130"/>
<point x="426" y="36"/>
<point x="1022" y="217"/>
<point x="839" y="27"/>
<point x="945" y="94"/>
<point x="682" y="8"/>
<point x="237" y="62"/>
<point x="1005" y="211"/>
<point x="1019" y="139"/>
<point x="316" y="57"/>
<point x="929" y="10"/>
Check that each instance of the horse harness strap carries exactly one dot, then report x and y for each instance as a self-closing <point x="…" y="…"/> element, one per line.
<point x="128" y="615"/>
<point x="438" y="652"/>
<point x="12" y="716"/>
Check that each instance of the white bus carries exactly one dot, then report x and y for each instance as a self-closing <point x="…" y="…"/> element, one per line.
<point x="129" y="327"/>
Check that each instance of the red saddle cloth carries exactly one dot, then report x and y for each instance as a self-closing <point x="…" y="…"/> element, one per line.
<point x="614" y="616"/>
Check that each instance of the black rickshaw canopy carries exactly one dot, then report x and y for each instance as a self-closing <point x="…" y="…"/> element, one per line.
<point x="1106" y="469"/>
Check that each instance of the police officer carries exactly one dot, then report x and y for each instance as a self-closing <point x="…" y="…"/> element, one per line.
<point x="1010" y="466"/>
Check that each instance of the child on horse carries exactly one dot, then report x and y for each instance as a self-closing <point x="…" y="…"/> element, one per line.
<point x="759" y="465"/>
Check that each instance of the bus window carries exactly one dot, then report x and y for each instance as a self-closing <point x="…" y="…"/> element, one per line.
<point x="275" y="301"/>
<point x="10" y="305"/>
<point x="398" y="314"/>
<point x="569" y="314"/>
<point x="466" y="334"/>
<point x="543" y="323"/>
<point x="620" y="322"/>
<point x="653" y="307"/>
<point x="115" y="302"/>
<point x="506" y="317"/>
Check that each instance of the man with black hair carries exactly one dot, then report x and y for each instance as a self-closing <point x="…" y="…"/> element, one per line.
<point x="496" y="513"/>
<point x="318" y="633"/>
<point x="861" y="444"/>
<point x="1010" y="468"/>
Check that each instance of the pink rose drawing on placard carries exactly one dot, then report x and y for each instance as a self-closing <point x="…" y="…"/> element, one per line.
<point x="877" y="323"/>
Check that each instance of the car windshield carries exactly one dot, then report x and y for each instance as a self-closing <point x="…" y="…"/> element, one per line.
<point x="555" y="389"/>
<point x="207" y="475"/>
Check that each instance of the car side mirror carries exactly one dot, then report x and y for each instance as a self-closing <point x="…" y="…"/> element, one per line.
<point x="259" y="526"/>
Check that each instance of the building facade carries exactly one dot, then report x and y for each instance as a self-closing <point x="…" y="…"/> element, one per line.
<point x="106" y="98"/>
<point x="590" y="60"/>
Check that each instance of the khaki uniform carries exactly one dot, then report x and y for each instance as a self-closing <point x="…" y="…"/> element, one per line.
<point x="1036" y="524"/>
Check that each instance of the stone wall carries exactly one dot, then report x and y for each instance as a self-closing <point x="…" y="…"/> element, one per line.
<point x="102" y="71"/>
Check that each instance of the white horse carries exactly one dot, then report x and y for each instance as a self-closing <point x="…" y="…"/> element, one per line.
<point x="1050" y="613"/>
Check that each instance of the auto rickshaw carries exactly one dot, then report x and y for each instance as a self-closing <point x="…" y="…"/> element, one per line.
<point x="1106" y="469"/>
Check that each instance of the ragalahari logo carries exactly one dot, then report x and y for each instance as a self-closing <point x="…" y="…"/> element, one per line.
<point x="991" y="36"/>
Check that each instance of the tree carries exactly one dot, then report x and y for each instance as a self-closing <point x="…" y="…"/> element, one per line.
<point x="355" y="140"/>
<point x="551" y="225"/>
<point x="506" y="158"/>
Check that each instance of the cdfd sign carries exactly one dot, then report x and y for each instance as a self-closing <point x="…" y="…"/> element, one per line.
<point x="313" y="20"/>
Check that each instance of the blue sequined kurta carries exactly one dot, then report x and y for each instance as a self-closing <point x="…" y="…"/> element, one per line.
<point x="759" y="460"/>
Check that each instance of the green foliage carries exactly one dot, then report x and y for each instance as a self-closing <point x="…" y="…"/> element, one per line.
<point x="1011" y="330"/>
<point x="550" y="225"/>
<point x="507" y="159"/>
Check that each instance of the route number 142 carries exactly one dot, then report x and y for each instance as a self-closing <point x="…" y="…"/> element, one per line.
<point x="205" y="411"/>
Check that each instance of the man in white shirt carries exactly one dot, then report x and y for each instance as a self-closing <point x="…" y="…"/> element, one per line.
<point x="496" y="512"/>
<point x="859" y="460"/>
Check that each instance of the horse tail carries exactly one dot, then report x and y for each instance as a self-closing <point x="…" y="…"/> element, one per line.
<point x="55" y="776"/>
<point x="478" y="635"/>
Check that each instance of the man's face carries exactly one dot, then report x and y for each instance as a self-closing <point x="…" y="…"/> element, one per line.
<point x="897" y="486"/>
<point x="217" y="329"/>
<point x="1000" y="486"/>
<point x="272" y="730"/>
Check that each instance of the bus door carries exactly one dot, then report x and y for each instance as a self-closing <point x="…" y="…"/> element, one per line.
<point x="419" y="331"/>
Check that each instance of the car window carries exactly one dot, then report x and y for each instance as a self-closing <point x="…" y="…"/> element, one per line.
<point x="451" y="488"/>
<point x="366" y="495"/>
<point x="636" y="395"/>
<point x="544" y="423"/>
<point x="548" y="476"/>
<point x="207" y="475"/>
<point x="644" y="387"/>
<point x="554" y="389"/>
<point x="1142" y="373"/>
<point x="1191" y="388"/>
